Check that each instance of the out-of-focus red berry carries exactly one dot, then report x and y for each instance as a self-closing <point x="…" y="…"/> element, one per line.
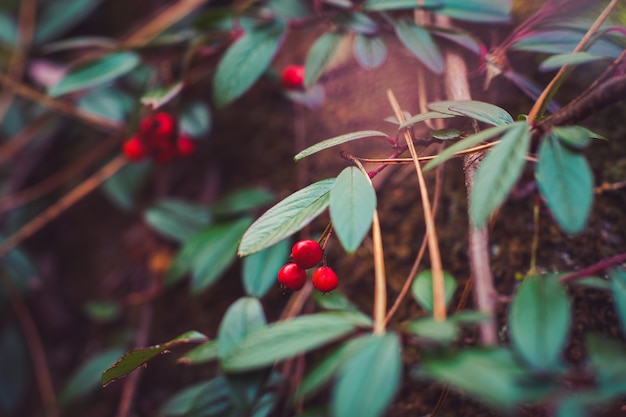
<point x="159" y="124"/>
<point x="134" y="149"/>
<point x="185" y="145"/>
<point x="292" y="76"/>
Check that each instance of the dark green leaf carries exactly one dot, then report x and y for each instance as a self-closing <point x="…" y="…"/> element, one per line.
<point x="565" y="180"/>
<point x="539" y="321"/>
<point x="158" y="97"/>
<point x="572" y="58"/>
<point x="594" y="282"/>
<point x="177" y="219"/>
<point x="483" y="112"/>
<point x="95" y="72"/>
<point x="87" y="377"/>
<point x="489" y="11"/>
<point x="122" y="187"/>
<point x="103" y="311"/>
<point x="291" y="9"/>
<point x="206" y="399"/>
<point x="369" y="378"/>
<point x="370" y="51"/>
<point x="445" y="134"/>
<point x="467" y="143"/>
<point x="245" y="61"/>
<point x="352" y="205"/>
<point x="419" y="41"/>
<point x="425" y="116"/>
<point x="319" y="56"/>
<point x="618" y="287"/>
<point x="241" y="201"/>
<point x="443" y="332"/>
<point x="285" y="339"/>
<point x="400" y="4"/>
<point x="575" y="136"/>
<point x="242" y="318"/>
<point x="138" y="357"/>
<point x="107" y="102"/>
<point x="286" y="217"/>
<point x="422" y="288"/>
<point x="60" y="15"/>
<point x="498" y="172"/>
<point x="608" y="361"/>
<point x="337" y="140"/>
<point x="469" y="317"/>
<point x="195" y="119"/>
<point x="14" y="369"/>
<point x="206" y="352"/>
<point x="261" y="268"/>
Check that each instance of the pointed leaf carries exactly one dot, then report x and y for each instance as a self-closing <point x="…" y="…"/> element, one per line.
<point x="498" y="172"/>
<point x="242" y="318"/>
<point x="425" y="116"/>
<point x="138" y="357"/>
<point x="206" y="352"/>
<point x="95" y="72"/>
<point x="352" y="205"/>
<point x="443" y="332"/>
<point x="87" y="377"/>
<point x="573" y="58"/>
<point x="489" y="11"/>
<point x="419" y="41"/>
<point x="422" y="288"/>
<point x="320" y="55"/>
<point x="539" y="321"/>
<point x="565" y="180"/>
<point x="368" y="380"/>
<point x="286" y="217"/>
<point x="379" y="5"/>
<point x="337" y="140"/>
<point x="59" y="16"/>
<point x="245" y="61"/>
<point x="261" y="268"/>
<point x="483" y="112"/>
<point x="462" y="39"/>
<point x="160" y="96"/>
<point x="370" y="51"/>
<point x="177" y="219"/>
<point x="205" y="399"/>
<point x="575" y="136"/>
<point x="607" y="359"/>
<point x="285" y="339"/>
<point x="618" y="288"/>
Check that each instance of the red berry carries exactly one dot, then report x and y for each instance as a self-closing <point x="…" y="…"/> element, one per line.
<point x="306" y="253"/>
<point x="185" y="145"/>
<point x="159" y="124"/>
<point x="292" y="276"/>
<point x="324" y="279"/>
<point x="134" y="149"/>
<point x="292" y="76"/>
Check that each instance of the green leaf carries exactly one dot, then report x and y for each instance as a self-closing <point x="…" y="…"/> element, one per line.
<point x="177" y="219"/>
<point x="369" y="378"/>
<point x="594" y="282"/>
<point x="242" y="318"/>
<point x="245" y="61"/>
<point x="103" y="311"/>
<point x="618" y="288"/>
<point x="95" y="72"/>
<point x="352" y="205"/>
<point x="462" y="39"/>
<point x="158" y="97"/>
<point x="565" y="180"/>
<point x="443" y="332"/>
<point x="286" y="217"/>
<point x="483" y="112"/>
<point x="107" y="102"/>
<point x="87" y="377"/>
<point x="285" y="339"/>
<point x="607" y="358"/>
<point x="422" y="288"/>
<point x="319" y="56"/>
<point x="539" y="321"/>
<point x="498" y="172"/>
<point x="425" y="116"/>
<point x="195" y="119"/>
<point x="369" y="51"/>
<point x="14" y="369"/>
<point x="337" y="140"/>
<point x="261" y="268"/>
<point x="206" y="352"/>
<point x="467" y="143"/>
<point x="445" y="134"/>
<point x="290" y="9"/>
<point x="488" y="11"/>
<point x="138" y="357"/>
<point x="334" y="300"/>
<point x="241" y="201"/>
<point x="575" y="136"/>
<point x="468" y="317"/>
<point x="57" y="16"/>
<point x="489" y="375"/>
<point x="360" y="23"/>
<point x="378" y="5"/>
<point x="205" y="399"/>
<point x="572" y="58"/>
<point x="8" y="30"/>
<point x="419" y="41"/>
<point x="122" y="187"/>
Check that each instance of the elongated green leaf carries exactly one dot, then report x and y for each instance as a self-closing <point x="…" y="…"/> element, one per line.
<point x="618" y="288"/>
<point x="123" y="187"/>
<point x="574" y="58"/>
<point x="138" y="357"/>
<point x="333" y="301"/>
<point x="607" y="358"/>
<point x="498" y="172"/>
<point x="95" y="72"/>
<point x="566" y="182"/>
<point x="425" y="116"/>
<point x="286" y="217"/>
<point x="370" y="51"/>
<point x="481" y="111"/>
<point x="563" y="41"/>
<point x="369" y="379"/>
<point x="379" y="5"/>
<point x="177" y="219"/>
<point x="87" y="377"/>
<point x="462" y="39"/>
<point x="282" y="340"/>
<point x="539" y="321"/>
<point x="422" y="288"/>
<point x="217" y="252"/>
<point x="108" y="102"/>
<point x="161" y="96"/>
<point x="352" y="205"/>
<point x="205" y="399"/>
<point x="206" y="352"/>
<point x="195" y="119"/>
<point x="419" y="41"/>
<point x="8" y="30"/>
<point x="443" y="332"/>
<point x="575" y="136"/>
<point x="261" y="268"/>
<point x="242" y="318"/>
<point x="241" y="201"/>
<point x="488" y="11"/>
<point x="445" y="134"/>
<point x="60" y="15"/>
<point x="245" y="61"/>
<point x="337" y="140"/>
<point x="467" y="143"/>
<point x="319" y="56"/>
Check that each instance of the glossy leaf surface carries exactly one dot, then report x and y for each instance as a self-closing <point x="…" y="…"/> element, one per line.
<point x="337" y="140"/>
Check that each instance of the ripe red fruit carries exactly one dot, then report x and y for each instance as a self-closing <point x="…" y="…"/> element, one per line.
<point x="324" y="279"/>
<point x="185" y="145"/>
<point x="292" y="76"/>
<point x="292" y="276"/>
<point x="134" y="149"/>
<point x="159" y="124"/>
<point x="306" y="253"/>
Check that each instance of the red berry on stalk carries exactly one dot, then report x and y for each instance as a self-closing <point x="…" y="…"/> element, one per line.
<point x="292" y="76"/>
<point x="185" y="145"/>
<point x="306" y="253"/>
<point x="292" y="276"/>
<point x="159" y="124"/>
<point x="134" y="149"/>
<point x="324" y="279"/>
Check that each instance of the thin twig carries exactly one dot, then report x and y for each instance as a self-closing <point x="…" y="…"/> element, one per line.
<point x="594" y="269"/>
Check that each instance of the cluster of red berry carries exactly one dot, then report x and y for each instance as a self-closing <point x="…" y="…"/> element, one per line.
<point x="157" y="137"/>
<point x="306" y="254"/>
<point x="292" y="76"/>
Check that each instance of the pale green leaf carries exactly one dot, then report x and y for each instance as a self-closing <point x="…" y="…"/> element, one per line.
<point x="573" y="58"/>
<point x="261" y="268"/>
<point x="422" y="288"/>
<point x="177" y="219"/>
<point x="489" y="11"/>
<point x="320" y="55"/>
<point x="242" y="318"/>
<point x="206" y="352"/>
<point x="618" y="288"/>
<point x="160" y="96"/>
<point x="443" y="332"/>
<point x="370" y="51"/>
<point x="87" y="377"/>
<point x="419" y="41"/>
<point x="481" y="111"/>
<point x="337" y="140"/>
<point x="378" y="5"/>
<point x="58" y="16"/>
